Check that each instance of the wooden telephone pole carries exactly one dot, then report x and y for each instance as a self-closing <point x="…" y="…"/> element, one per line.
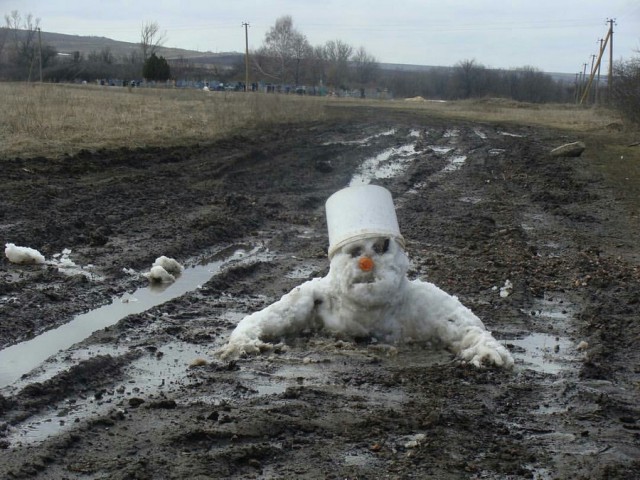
<point x="610" y="35"/>
<point x="246" y="56"/>
<point x="596" y="68"/>
<point x="40" y="52"/>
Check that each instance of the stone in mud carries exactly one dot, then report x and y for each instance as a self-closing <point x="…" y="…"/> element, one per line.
<point x="574" y="149"/>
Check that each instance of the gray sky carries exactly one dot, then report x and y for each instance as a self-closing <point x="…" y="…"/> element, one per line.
<point x="552" y="35"/>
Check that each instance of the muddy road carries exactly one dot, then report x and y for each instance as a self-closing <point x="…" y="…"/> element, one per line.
<point x="103" y="377"/>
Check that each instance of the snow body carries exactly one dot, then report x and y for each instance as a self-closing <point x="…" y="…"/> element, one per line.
<point x="381" y="303"/>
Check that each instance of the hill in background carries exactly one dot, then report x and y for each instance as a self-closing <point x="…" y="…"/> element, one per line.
<point x="67" y="44"/>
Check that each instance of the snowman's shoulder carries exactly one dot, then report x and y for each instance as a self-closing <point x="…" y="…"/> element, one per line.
<point x="315" y="288"/>
<point x="422" y="287"/>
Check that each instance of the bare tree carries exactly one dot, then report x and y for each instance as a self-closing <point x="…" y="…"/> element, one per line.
<point x="365" y="67"/>
<point x="151" y="39"/>
<point x="22" y="37"/>
<point x="4" y="34"/>
<point x="284" y="52"/>
<point x="467" y="79"/>
<point x="625" y="91"/>
<point x="337" y="54"/>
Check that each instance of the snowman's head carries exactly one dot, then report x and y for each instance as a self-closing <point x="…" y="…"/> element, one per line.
<point x="370" y="271"/>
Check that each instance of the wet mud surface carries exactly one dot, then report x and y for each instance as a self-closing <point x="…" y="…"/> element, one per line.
<point x="539" y="248"/>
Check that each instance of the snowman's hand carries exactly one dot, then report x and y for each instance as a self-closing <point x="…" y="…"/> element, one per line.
<point x="479" y="348"/>
<point x="242" y="345"/>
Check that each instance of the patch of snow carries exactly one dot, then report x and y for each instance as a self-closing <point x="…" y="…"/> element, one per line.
<point x="507" y="134"/>
<point x="363" y="141"/>
<point x="62" y="261"/>
<point x="442" y="150"/>
<point x="387" y="164"/>
<point x="455" y="163"/>
<point x="158" y="274"/>
<point x="169" y="264"/>
<point x="505" y="290"/>
<point x="480" y="133"/>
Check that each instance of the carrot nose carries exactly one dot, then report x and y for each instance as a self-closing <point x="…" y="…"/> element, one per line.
<point x="366" y="264"/>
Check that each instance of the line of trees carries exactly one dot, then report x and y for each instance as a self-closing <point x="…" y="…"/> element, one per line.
<point x="469" y="79"/>
<point x="287" y="57"/>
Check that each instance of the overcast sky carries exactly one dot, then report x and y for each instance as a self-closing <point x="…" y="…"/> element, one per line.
<point x="552" y="35"/>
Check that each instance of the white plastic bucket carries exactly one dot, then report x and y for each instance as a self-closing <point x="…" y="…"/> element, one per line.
<point x="358" y="212"/>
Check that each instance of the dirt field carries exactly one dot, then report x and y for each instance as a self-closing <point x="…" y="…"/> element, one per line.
<point x="479" y="205"/>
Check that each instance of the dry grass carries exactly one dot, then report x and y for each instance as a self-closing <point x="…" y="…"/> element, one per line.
<point x="496" y="110"/>
<point x="49" y="120"/>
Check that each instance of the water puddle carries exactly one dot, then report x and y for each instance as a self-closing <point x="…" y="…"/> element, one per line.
<point x="163" y="371"/>
<point x="363" y="141"/>
<point x="360" y="459"/>
<point x="547" y="352"/>
<point x="544" y="353"/>
<point x="21" y="358"/>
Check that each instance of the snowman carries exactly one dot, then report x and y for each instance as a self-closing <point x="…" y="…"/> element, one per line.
<point x="367" y="293"/>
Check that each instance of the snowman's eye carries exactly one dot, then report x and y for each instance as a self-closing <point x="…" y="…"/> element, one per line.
<point x="381" y="246"/>
<point x="355" y="251"/>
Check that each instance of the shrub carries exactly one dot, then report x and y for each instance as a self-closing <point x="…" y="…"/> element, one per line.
<point x="625" y="91"/>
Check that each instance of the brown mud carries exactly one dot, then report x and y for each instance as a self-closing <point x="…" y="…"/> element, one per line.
<point x="479" y="205"/>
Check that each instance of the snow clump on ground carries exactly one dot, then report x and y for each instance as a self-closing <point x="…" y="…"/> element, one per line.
<point x="164" y="270"/>
<point x="23" y="255"/>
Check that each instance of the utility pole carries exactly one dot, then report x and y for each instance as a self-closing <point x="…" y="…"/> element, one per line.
<point x="592" y="71"/>
<point x="246" y="56"/>
<point x="598" y="61"/>
<point x="583" y="78"/>
<point x="611" y="21"/>
<point x="40" y="52"/>
<point x="598" y="67"/>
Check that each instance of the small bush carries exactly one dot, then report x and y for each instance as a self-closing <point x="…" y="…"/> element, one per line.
<point x="625" y="91"/>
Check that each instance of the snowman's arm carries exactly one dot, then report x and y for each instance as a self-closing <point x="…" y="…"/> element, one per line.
<point x="444" y="317"/>
<point x="293" y="312"/>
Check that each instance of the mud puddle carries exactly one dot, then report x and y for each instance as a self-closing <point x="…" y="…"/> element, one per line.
<point x="21" y="358"/>
<point x="545" y="352"/>
<point x="150" y="377"/>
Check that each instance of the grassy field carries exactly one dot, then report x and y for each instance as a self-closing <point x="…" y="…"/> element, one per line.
<point x="50" y="120"/>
